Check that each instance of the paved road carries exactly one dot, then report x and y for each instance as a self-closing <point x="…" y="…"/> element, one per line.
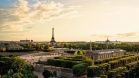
<point x="42" y="56"/>
<point x="35" y="57"/>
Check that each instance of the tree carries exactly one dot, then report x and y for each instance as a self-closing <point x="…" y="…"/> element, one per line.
<point x="80" y="69"/>
<point x="88" y="61"/>
<point x="46" y="73"/>
<point x="17" y="75"/>
<point x="14" y="67"/>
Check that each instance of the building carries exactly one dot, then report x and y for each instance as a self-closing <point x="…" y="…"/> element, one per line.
<point x="53" y="42"/>
<point x="26" y="41"/>
<point x="6" y="46"/>
<point x="104" y="54"/>
<point x="2" y="47"/>
<point x="13" y="46"/>
<point x="107" y="41"/>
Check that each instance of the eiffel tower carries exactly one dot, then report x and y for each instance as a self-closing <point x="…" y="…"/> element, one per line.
<point x="53" y="38"/>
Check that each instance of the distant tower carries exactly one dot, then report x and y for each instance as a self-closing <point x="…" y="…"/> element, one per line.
<point x="90" y="46"/>
<point x="53" y="38"/>
<point x="107" y="40"/>
<point x="107" y="43"/>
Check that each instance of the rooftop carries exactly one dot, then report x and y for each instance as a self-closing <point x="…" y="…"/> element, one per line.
<point x="108" y="51"/>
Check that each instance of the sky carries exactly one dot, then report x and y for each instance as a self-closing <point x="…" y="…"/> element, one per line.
<point x="73" y="20"/>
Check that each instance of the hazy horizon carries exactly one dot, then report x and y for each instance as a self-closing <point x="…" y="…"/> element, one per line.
<point x="73" y="20"/>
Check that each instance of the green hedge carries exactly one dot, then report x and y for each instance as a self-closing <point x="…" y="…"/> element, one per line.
<point x="110" y="59"/>
<point x="118" y="72"/>
<point x="79" y="69"/>
<point x="93" y="71"/>
<point x="62" y="63"/>
<point x="117" y="68"/>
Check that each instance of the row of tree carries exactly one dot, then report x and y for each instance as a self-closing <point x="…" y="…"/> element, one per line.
<point x="97" y="62"/>
<point x="97" y="46"/>
<point x="81" y="45"/>
<point x="112" y="69"/>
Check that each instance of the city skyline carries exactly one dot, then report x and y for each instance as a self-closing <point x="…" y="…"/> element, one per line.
<point x="80" y="20"/>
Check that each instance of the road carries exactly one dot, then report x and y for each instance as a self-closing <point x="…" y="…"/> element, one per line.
<point x="42" y="56"/>
<point x="35" y="57"/>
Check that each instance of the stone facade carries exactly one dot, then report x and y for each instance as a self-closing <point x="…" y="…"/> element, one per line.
<point x="104" y="54"/>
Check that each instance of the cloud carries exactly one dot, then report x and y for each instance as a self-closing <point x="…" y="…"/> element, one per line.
<point x="99" y="36"/>
<point x="23" y="14"/>
<point x="129" y="34"/>
<point x="118" y="35"/>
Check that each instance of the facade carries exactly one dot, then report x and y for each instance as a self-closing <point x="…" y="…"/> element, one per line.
<point x="104" y="54"/>
<point x="26" y="41"/>
<point x="4" y="46"/>
<point x="14" y="46"/>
